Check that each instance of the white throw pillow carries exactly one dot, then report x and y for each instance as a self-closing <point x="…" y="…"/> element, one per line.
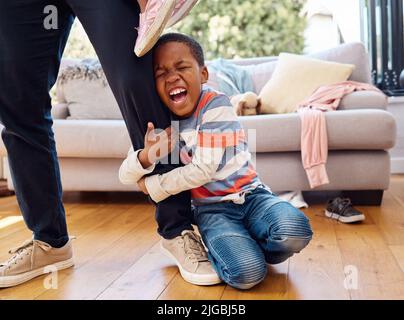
<point x="296" y="78"/>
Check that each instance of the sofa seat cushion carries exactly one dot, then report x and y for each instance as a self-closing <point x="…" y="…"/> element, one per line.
<point x="364" y="129"/>
<point x="91" y="138"/>
<point x="347" y="130"/>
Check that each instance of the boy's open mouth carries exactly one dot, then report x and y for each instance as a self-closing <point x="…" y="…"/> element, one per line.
<point x="178" y="95"/>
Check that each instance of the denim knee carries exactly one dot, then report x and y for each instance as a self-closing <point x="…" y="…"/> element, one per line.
<point x="239" y="261"/>
<point x="290" y="223"/>
<point x="295" y="245"/>
<point x="245" y="275"/>
<point x="281" y="250"/>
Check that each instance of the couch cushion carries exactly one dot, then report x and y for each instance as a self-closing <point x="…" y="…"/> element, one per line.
<point x="364" y="100"/>
<point x="261" y="73"/>
<point x="91" y="138"/>
<point x="354" y="53"/>
<point x="347" y="170"/>
<point x="347" y="130"/>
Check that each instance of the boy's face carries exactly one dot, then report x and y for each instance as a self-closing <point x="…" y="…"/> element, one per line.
<point x="179" y="77"/>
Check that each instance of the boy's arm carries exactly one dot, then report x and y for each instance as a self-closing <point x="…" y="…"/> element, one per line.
<point x="131" y="170"/>
<point x="141" y="162"/>
<point x="211" y="145"/>
<point x="195" y="174"/>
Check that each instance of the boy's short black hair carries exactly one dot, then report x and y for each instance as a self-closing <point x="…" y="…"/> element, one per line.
<point x="193" y="45"/>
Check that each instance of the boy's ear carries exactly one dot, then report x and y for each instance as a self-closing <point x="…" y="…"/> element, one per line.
<point x="204" y="74"/>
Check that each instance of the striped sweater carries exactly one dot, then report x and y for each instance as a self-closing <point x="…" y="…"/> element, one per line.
<point x="213" y="147"/>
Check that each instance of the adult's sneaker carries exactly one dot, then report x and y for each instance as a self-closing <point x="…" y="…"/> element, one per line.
<point x="182" y="8"/>
<point x="152" y="23"/>
<point x="32" y="259"/>
<point x="189" y="254"/>
<point x="341" y="209"/>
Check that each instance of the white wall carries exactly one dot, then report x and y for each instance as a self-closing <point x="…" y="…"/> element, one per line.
<point x="324" y="19"/>
<point x="396" y="107"/>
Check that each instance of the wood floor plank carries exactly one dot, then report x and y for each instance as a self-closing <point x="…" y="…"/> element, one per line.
<point x="274" y="287"/>
<point x="389" y="218"/>
<point x="396" y="187"/>
<point x="8" y="201"/>
<point x="398" y="253"/>
<point x="117" y="255"/>
<point x="317" y="271"/>
<point x="135" y="236"/>
<point x="86" y="220"/>
<point x="15" y="234"/>
<point x="145" y="280"/>
<point x="179" y="289"/>
<point x="379" y="275"/>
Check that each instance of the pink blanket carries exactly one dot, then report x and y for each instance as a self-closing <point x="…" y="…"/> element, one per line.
<point x="314" y="140"/>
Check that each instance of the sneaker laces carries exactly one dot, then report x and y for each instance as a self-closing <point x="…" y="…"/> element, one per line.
<point x="194" y="247"/>
<point x="24" y="249"/>
<point x="346" y="202"/>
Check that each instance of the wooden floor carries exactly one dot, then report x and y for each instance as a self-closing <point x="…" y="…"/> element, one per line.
<point x="117" y="255"/>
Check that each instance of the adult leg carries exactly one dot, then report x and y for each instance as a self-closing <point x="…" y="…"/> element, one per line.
<point x="29" y="63"/>
<point x="280" y="229"/>
<point x="110" y="25"/>
<point x="236" y="256"/>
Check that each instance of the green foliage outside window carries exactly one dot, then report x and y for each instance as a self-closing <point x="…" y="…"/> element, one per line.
<point x="242" y="28"/>
<point x="230" y="28"/>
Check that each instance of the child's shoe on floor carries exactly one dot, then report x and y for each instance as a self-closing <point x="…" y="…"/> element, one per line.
<point x="188" y="253"/>
<point x="341" y="209"/>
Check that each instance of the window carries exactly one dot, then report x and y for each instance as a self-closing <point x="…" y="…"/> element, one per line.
<point x="382" y="32"/>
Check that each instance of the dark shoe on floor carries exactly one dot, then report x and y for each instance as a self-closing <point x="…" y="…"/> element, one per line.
<point x="341" y="209"/>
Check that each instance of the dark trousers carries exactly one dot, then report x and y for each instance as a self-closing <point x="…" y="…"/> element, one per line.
<point x="29" y="62"/>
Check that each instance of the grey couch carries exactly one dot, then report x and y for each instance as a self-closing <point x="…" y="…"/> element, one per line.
<point x="360" y="134"/>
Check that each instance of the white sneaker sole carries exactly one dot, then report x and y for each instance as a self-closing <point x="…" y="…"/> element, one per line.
<point x="11" y="281"/>
<point x="338" y="217"/>
<point x="198" y="279"/>
<point x="157" y="27"/>
<point x="183" y="12"/>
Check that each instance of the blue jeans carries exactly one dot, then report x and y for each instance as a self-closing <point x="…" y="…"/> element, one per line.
<point x="243" y="238"/>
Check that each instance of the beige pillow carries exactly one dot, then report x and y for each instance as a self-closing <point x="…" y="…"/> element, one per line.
<point x="296" y="78"/>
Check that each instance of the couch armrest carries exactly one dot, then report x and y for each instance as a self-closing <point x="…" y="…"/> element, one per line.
<point x="60" y="111"/>
<point x="364" y="100"/>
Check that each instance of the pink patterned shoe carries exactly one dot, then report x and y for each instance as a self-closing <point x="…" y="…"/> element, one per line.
<point x="152" y="23"/>
<point x="182" y="8"/>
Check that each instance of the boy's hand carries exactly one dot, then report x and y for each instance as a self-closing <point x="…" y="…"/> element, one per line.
<point x="156" y="145"/>
<point x="142" y="185"/>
